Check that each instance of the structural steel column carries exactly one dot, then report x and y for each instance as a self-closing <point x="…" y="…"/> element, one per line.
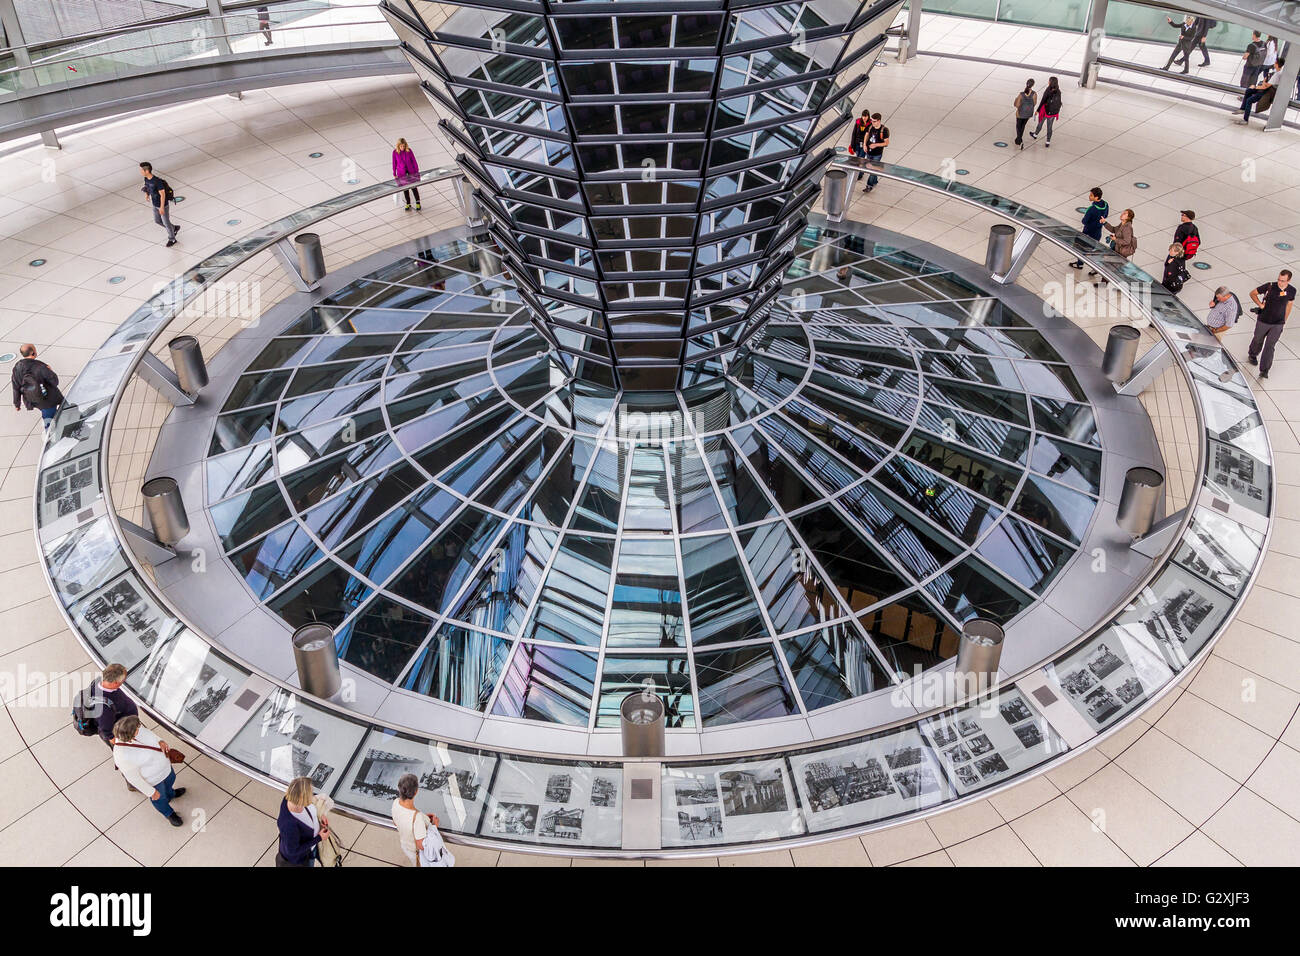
<point x="1096" y="27"/>
<point x="907" y="49"/>
<point x="1282" y="98"/>
<point x="219" y="28"/>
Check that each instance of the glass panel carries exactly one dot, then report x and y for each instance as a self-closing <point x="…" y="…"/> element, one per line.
<point x="743" y="802"/>
<point x="718" y="599"/>
<point x="571" y="608"/>
<point x="564" y="804"/>
<point x="991" y="741"/>
<point x="647" y="605"/>
<point x="833" y="664"/>
<point x="544" y="683"/>
<point x="743" y="683"/>
<point x="290" y="737"/>
<point x="460" y="665"/>
<point x="669" y="677"/>
<point x="382" y="637"/>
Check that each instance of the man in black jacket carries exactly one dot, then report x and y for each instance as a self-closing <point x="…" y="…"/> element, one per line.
<point x="35" y="385"/>
<point x="113" y="703"/>
<point x="1187" y="40"/>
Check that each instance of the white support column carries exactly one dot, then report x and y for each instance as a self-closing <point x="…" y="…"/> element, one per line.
<point x="1096" y="27"/>
<point x="1282" y="98"/>
<point x="911" y="33"/>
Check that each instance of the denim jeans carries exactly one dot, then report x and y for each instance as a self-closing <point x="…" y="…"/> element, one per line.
<point x="1248" y="101"/>
<point x="166" y="790"/>
<point x="164" y="219"/>
<point x="47" y="416"/>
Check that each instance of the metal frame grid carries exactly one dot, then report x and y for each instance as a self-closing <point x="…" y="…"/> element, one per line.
<point x="647" y="166"/>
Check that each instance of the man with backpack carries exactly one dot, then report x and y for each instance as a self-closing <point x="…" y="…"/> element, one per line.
<point x="103" y="704"/>
<point x="1187" y="235"/>
<point x="1252" y="60"/>
<point x="35" y="385"/>
<point x="160" y="198"/>
<point x="1092" y="220"/>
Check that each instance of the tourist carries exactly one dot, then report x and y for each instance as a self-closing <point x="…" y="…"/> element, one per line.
<point x="1262" y="91"/>
<point x="417" y="833"/>
<point x="1098" y="209"/>
<point x="1273" y="302"/>
<point x="876" y="140"/>
<point x="1024" y="103"/>
<point x="35" y="385"/>
<point x="1203" y="27"/>
<point x="858" y="136"/>
<point x="1122" y="240"/>
<point x="1049" y="109"/>
<point x="161" y="197"/>
<point x="113" y="703"/>
<point x="1225" y="310"/>
<point x="264" y="24"/>
<point x="1187" y="235"/>
<point x="1252" y="61"/>
<point x="145" y="762"/>
<point x="301" y="825"/>
<point x="1187" y="40"/>
<point x="1175" y="274"/>
<point x="406" y="169"/>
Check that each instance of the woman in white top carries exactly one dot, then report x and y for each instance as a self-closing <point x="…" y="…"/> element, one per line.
<point x="142" y="758"/>
<point x="416" y="832"/>
<point x="1270" y="53"/>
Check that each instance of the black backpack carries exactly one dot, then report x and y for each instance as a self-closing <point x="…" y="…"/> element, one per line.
<point x="87" y="703"/>
<point x="32" y="389"/>
<point x="1255" y="55"/>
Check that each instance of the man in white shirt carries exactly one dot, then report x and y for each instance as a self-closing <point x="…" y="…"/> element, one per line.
<point x="142" y="758"/>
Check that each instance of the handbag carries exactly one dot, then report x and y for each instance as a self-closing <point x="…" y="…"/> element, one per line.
<point x="172" y="754"/>
<point x="435" y="852"/>
<point x="328" y="851"/>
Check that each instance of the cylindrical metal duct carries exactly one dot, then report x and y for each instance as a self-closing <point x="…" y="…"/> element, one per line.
<point x="998" y="257"/>
<point x="317" y="659"/>
<point x="1121" y="353"/>
<point x="162" y="502"/>
<point x="187" y="360"/>
<point x="980" y="651"/>
<point x="311" y="257"/>
<point x="642" y="725"/>
<point x="1143" y="488"/>
<point x="835" y="194"/>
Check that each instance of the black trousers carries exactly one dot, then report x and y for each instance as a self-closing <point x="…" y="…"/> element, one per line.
<point x="1020" y="129"/>
<point x="1181" y="50"/>
<point x="1263" y="342"/>
<point x="406" y="194"/>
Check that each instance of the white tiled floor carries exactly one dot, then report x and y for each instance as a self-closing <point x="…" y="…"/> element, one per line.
<point x="1209" y="776"/>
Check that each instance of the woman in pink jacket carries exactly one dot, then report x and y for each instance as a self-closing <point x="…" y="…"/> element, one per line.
<point x="406" y="168"/>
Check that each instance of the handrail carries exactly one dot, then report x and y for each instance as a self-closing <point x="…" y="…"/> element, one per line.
<point x="1172" y="320"/>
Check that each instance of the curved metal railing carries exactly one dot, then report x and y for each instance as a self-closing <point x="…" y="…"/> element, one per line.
<point x="1155" y="636"/>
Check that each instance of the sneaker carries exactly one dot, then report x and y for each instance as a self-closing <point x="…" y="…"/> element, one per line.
<point x="175" y="820"/>
<point x="178" y="792"/>
<point x="1252" y="360"/>
<point x="131" y="788"/>
<point x="1091" y="273"/>
<point x="1263" y="375"/>
<point x="1033" y="136"/>
<point x="417" y="207"/>
<point x="1047" y="145"/>
<point x="1076" y="265"/>
<point x="170" y="243"/>
<point x="408" y="207"/>
<point x="176" y="230"/>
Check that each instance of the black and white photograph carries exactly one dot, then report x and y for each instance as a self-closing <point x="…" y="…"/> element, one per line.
<point x="185" y="680"/>
<point x="320" y="775"/>
<point x="1239" y="475"/>
<point x="1130" y="690"/>
<point x="856" y="784"/>
<point x="967" y="726"/>
<point x="695" y="789"/>
<point x="1079" y="682"/>
<point x="266" y="743"/>
<point x="752" y="791"/>
<point x="574" y="805"/>
<point x="123" y="620"/>
<point x="561" y="823"/>
<point x="1220" y="550"/>
<point x="305" y="735"/>
<point x="699" y="823"/>
<point x="1014" y="710"/>
<point x="1008" y="737"/>
<point x="514" y="819"/>
<point x="1101" y="705"/>
<point x="1102" y="662"/>
<point x="1029" y="734"/>
<point x="559" y="788"/>
<point x="944" y="734"/>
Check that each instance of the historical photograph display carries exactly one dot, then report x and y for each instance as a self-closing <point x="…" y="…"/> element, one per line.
<point x="271" y="742"/>
<point x="1219" y="550"/>
<point x="997" y="737"/>
<point x="84" y="559"/>
<point x="185" y="681"/>
<point x="575" y="805"/>
<point x="122" y="620"/>
<point x="1111" y="674"/>
<point x="871" y="779"/>
<point x="737" y="802"/>
<point x="1238" y="476"/>
<point x="453" y="783"/>
<point x="68" y="487"/>
<point x="1176" y="614"/>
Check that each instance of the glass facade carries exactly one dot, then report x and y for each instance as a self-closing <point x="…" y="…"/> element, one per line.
<point x="647" y="168"/>
<point x="893" y="453"/>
